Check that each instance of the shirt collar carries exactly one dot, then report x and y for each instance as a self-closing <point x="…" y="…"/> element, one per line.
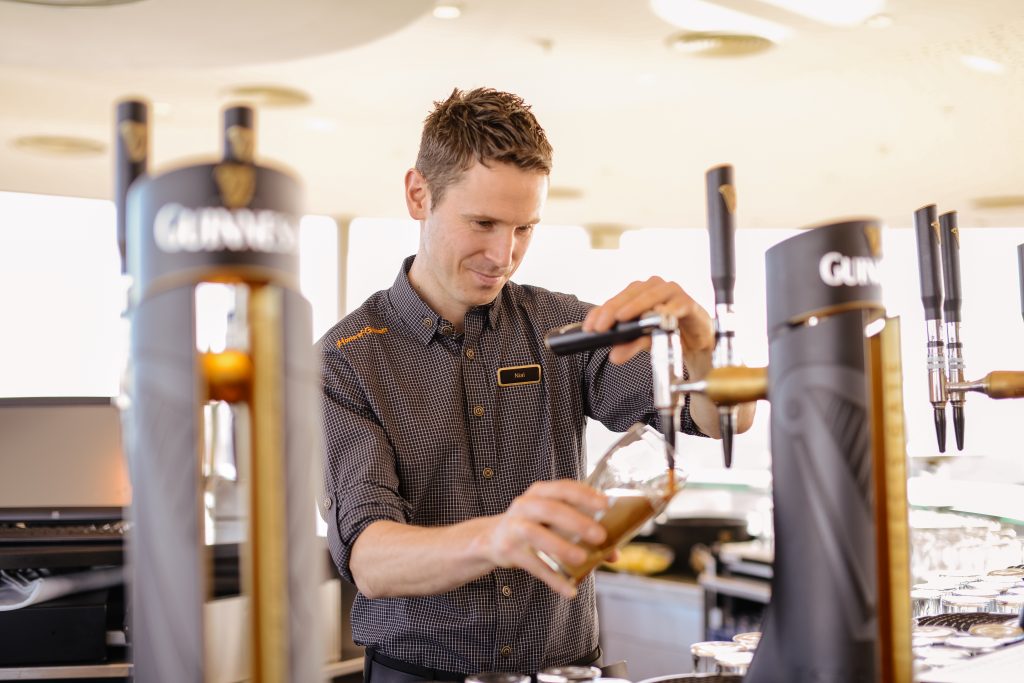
<point x="423" y="321"/>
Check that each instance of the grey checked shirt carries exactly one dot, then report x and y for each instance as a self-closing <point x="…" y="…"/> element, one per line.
<point x="419" y="431"/>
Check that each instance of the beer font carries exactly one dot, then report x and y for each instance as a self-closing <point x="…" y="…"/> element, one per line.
<point x="221" y="427"/>
<point x="950" y="242"/>
<point x="721" y="202"/>
<point x="997" y="384"/>
<point x="929" y="264"/>
<point x="838" y="451"/>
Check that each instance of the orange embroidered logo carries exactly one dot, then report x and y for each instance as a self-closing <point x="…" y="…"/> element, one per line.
<point x="366" y="330"/>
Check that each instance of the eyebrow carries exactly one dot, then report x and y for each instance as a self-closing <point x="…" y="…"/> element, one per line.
<point x="492" y="219"/>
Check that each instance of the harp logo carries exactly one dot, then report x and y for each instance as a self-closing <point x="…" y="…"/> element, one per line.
<point x="177" y="228"/>
<point x="840" y="270"/>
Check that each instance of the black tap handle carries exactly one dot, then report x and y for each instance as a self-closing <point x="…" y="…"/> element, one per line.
<point x="239" y="134"/>
<point x="721" y="195"/>
<point x="951" y="266"/>
<point x="131" y="157"/>
<point x="572" y="338"/>
<point x="1020" y="275"/>
<point x="929" y="261"/>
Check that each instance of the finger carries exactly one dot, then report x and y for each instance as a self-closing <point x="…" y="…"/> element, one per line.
<point x="539" y="569"/>
<point x="571" y="492"/>
<point x="655" y="293"/>
<point x="621" y="353"/>
<point x="606" y="315"/>
<point x="567" y="520"/>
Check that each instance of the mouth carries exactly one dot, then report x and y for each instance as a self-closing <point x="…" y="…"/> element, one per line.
<point x="488" y="280"/>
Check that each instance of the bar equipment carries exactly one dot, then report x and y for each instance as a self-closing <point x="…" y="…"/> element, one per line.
<point x="996" y="384"/>
<point x="929" y="263"/>
<point x="950" y="243"/>
<point x="838" y="460"/>
<point x="220" y="420"/>
<point x="721" y="203"/>
<point x="666" y="361"/>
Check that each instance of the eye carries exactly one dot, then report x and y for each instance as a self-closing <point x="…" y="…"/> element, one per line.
<point x="525" y="229"/>
<point x="485" y="224"/>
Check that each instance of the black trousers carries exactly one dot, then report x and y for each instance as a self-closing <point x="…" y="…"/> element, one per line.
<point x="378" y="668"/>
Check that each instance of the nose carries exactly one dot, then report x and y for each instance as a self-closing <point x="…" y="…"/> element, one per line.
<point x="500" y="249"/>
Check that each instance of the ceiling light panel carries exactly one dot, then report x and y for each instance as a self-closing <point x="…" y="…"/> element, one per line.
<point x="831" y="12"/>
<point x="983" y="64"/>
<point x="706" y="17"/>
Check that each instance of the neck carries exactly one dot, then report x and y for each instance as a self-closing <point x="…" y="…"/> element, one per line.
<point x="424" y="285"/>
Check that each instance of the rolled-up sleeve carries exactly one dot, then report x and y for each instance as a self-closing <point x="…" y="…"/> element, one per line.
<point x="361" y="483"/>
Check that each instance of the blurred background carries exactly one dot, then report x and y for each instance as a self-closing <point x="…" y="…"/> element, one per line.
<point x="825" y="109"/>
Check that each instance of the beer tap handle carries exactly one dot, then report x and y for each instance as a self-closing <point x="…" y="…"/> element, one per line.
<point x="929" y="261"/>
<point x="929" y="264"/>
<point x="721" y="201"/>
<point x="950" y="235"/>
<point x="1020" y="275"/>
<point x="730" y="386"/>
<point x="239" y="134"/>
<point x="721" y="196"/>
<point x="996" y="384"/>
<point x="131" y="157"/>
<point x="572" y="339"/>
<point x="950" y="267"/>
<point x="666" y="361"/>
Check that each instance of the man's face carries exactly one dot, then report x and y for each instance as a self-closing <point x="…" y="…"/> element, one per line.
<point x="473" y="240"/>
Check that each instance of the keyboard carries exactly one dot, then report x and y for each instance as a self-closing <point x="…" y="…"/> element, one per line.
<point x="36" y="532"/>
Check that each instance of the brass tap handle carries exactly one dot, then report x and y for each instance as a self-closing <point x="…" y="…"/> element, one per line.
<point x="730" y="386"/>
<point x="1005" y="384"/>
<point x="996" y="384"/>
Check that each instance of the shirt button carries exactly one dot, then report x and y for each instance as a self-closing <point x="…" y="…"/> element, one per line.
<point x="506" y="651"/>
<point x="487" y="472"/>
<point x="506" y="591"/>
<point x="478" y="411"/>
<point x="428" y="322"/>
<point x="447" y="330"/>
<point x="470" y="354"/>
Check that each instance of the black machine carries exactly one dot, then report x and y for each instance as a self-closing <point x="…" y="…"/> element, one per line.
<point x="221" y="419"/>
<point x="839" y="480"/>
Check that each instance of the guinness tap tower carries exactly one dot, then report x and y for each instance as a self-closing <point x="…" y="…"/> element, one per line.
<point x="221" y="423"/>
<point x="840" y="607"/>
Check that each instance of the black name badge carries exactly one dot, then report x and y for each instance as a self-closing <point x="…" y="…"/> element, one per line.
<point x="519" y="374"/>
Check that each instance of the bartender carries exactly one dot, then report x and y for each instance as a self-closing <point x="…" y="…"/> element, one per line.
<point x="455" y="441"/>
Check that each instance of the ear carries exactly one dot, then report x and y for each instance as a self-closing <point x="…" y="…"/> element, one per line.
<point x="417" y="195"/>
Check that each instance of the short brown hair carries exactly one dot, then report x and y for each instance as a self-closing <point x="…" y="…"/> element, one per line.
<point x="480" y="125"/>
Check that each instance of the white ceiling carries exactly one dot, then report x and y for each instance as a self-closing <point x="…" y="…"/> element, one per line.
<point x="834" y="122"/>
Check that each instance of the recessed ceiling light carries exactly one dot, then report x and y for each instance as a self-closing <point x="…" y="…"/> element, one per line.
<point x="447" y="10"/>
<point x="321" y="124"/>
<point x="712" y="44"/>
<point x="60" y="145"/>
<point x="832" y="12"/>
<point x="999" y="201"/>
<point x="879" y="21"/>
<point x="74" y="3"/>
<point x="269" y="95"/>
<point x="983" y="64"/>
<point x="705" y="17"/>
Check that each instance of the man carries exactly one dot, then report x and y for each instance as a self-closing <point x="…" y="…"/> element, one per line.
<point x="443" y="479"/>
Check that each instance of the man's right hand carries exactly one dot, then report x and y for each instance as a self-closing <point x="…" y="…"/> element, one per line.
<point x="543" y="518"/>
<point x="391" y="559"/>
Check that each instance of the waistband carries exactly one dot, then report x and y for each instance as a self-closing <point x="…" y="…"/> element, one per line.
<point x="428" y="674"/>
